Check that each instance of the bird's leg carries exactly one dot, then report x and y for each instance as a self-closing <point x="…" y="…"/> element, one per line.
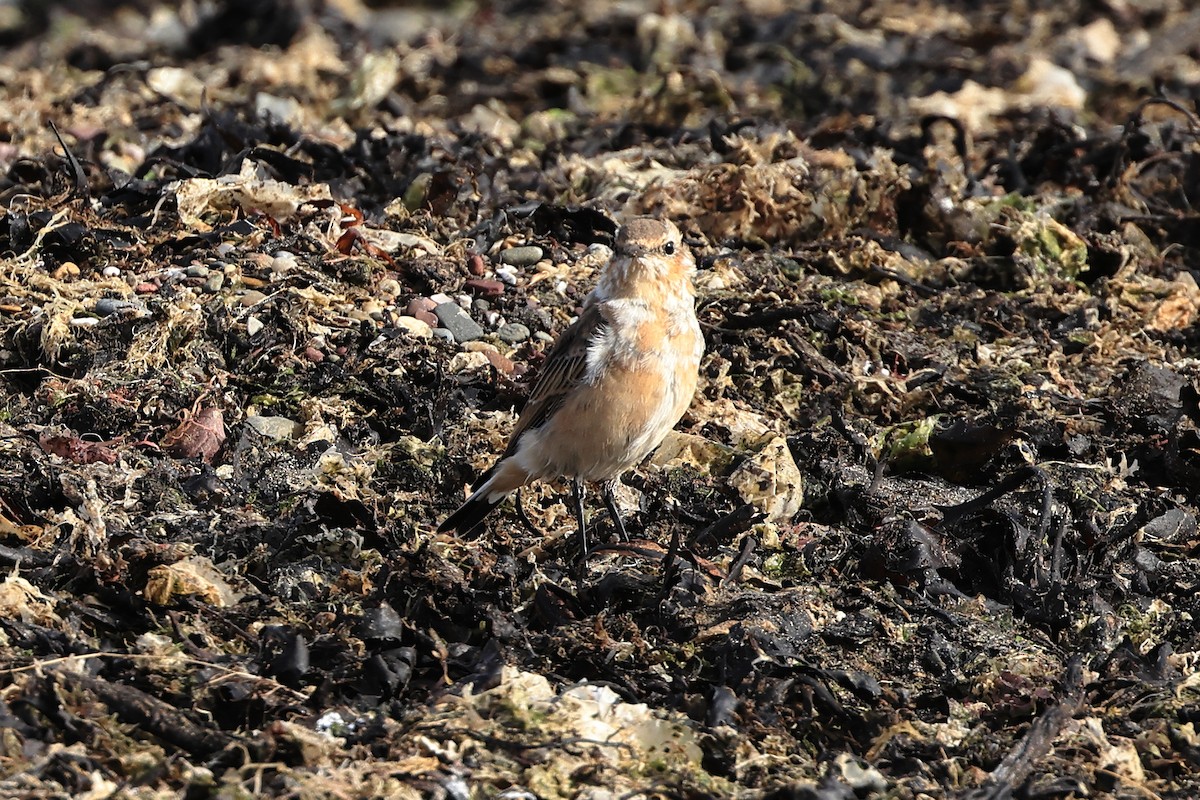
<point x="610" y="502"/>
<point x="577" y="496"/>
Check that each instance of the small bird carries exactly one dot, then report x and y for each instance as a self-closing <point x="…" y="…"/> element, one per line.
<point x="614" y="384"/>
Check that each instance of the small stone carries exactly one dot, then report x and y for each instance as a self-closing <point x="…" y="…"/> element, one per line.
<point x="110" y="271"/>
<point x="283" y="262"/>
<point x="525" y="256"/>
<point x="485" y="287"/>
<point x="313" y="354"/>
<point x="85" y="322"/>
<point x="418" y="304"/>
<point x="507" y="273"/>
<point x="428" y="317"/>
<point x="66" y="271"/>
<point x="252" y="283"/>
<point x="196" y="271"/>
<point x="440" y="297"/>
<point x="458" y="322"/>
<point x="389" y="287"/>
<point x="373" y="309"/>
<point x="277" y="428"/>
<point x="106" y="306"/>
<point x="251" y="297"/>
<point x="442" y="333"/>
<point x="254" y="325"/>
<point x="475" y="265"/>
<point x="225" y="249"/>
<point x="146" y="287"/>
<point x="418" y="328"/>
<point x="214" y="283"/>
<point x="513" y="332"/>
<point x="481" y="306"/>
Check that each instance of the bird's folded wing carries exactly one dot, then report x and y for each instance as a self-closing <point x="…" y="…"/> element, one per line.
<point x="562" y="371"/>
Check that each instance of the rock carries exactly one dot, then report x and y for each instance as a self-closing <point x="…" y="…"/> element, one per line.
<point x="251" y="298"/>
<point x="513" y="332"/>
<point x="475" y="265"/>
<point x="277" y="428"/>
<point x="106" y="306"/>
<point x="389" y="287"/>
<point x="284" y="262"/>
<point x="254" y="325"/>
<point x="458" y="322"/>
<point x="771" y="481"/>
<point x="485" y="286"/>
<point x="442" y="333"/>
<point x="419" y="304"/>
<point x="525" y="256"/>
<point x="214" y="283"/>
<point x="416" y="327"/>
<point x="196" y="271"/>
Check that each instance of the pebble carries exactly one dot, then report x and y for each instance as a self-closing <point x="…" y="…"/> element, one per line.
<point x="525" y="256"/>
<point x="389" y="287"/>
<point x="416" y="327"/>
<point x="146" y="287"/>
<point x="374" y="309"/>
<point x="442" y="333"/>
<point x="313" y="354"/>
<point x="513" y="332"/>
<point x="507" y="273"/>
<point x="111" y="272"/>
<point x="475" y="265"/>
<point x="419" y="304"/>
<point x="458" y="322"/>
<point x="106" y="306"/>
<point x="542" y="336"/>
<point x="254" y="325"/>
<point x="196" y="271"/>
<point x="283" y="262"/>
<point x="485" y="286"/>
<point x="277" y="428"/>
<point x="225" y="249"/>
<point x="66" y="271"/>
<point x="85" y="322"/>
<point x="251" y="297"/>
<point x="214" y="283"/>
<point x="422" y="309"/>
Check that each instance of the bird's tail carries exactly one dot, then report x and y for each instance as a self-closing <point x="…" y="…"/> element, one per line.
<point x="490" y="491"/>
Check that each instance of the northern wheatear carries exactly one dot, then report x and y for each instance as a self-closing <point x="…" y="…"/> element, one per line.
<point x="614" y="384"/>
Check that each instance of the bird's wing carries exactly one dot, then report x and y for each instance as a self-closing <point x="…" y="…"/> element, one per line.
<point x="562" y="371"/>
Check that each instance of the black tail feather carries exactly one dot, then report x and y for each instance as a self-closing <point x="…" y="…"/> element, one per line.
<point x="468" y="519"/>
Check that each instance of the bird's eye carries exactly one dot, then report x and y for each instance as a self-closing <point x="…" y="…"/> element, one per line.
<point x="669" y="248"/>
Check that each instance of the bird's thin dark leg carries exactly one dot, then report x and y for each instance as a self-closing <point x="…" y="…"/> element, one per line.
<point x="577" y="496"/>
<point x="610" y="502"/>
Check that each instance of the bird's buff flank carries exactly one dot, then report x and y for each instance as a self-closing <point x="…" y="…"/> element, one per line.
<point x="614" y="384"/>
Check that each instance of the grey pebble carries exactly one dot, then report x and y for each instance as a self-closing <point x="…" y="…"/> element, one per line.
<point x="107" y="306"/>
<point x="275" y="427"/>
<point x="442" y="333"/>
<point x="458" y="322"/>
<point x="214" y="283"/>
<point x="513" y="332"/>
<point x="196" y="271"/>
<point x="525" y="256"/>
